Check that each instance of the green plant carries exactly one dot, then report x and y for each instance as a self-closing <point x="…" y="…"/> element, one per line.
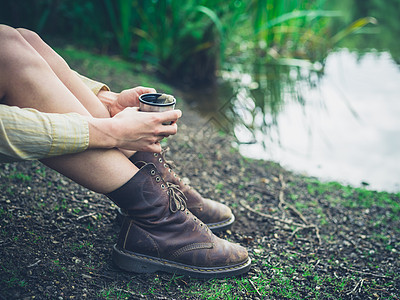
<point x="298" y="29"/>
<point x="120" y="13"/>
<point x="181" y="39"/>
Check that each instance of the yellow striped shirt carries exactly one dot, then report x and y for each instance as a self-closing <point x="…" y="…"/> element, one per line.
<point x="27" y="134"/>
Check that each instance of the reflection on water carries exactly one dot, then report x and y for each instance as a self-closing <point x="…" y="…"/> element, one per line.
<point x="342" y="124"/>
<point x="347" y="129"/>
<point x="338" y="120"/>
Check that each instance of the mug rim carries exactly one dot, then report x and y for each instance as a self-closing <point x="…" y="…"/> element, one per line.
<point x="152" y="103"/>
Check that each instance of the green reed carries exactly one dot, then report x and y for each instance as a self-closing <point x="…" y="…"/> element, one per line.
<point x="121" y="22"/>
<point x="187" y="41"/>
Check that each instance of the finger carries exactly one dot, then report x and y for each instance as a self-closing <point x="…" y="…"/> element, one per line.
<point x="156" y="147"/>
<point x="166" y="130"/>
<point x="144" y="90"/>
<point x="171" y="116"/>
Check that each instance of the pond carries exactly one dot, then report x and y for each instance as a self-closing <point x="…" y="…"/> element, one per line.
<point x="339" y="120"/>
<point x="348" y="128"/>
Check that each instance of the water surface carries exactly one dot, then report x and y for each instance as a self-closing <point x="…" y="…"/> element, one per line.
<point x="347" y="129"/>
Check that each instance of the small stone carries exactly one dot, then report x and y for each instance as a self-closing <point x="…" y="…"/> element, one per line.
<point x="265" y="180"/>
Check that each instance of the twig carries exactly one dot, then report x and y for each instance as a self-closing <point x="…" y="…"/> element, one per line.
<point x="349" y="240"/>
<point x="317" y="234"/>
<point x="282" y="200"/>
<point x="128" y="292"/>
<point x="254" y="287"/>
<point x="303" y="227"/>
<point x="281" y="196"/>
<point x="358" y="285"/>
<point x="318" y="261"/>
<point x="34" y="264"/>
<point x="85" y="216"/>
<point x="276" y="219"/>
<point x="261" y="190"/>
<point x="361" y="284"/>
<point x="365" y="273"/>
<point x="267" y="216"/>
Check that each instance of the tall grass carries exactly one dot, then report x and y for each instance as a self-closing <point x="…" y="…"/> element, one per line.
<point x="120" y="16"/>
<point x="187" y="41"/>
<point x="181" y="39"/>
<point x="297" y="29"/>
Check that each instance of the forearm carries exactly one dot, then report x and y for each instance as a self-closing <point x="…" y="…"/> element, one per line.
<point x="132" y="130"/>
<point x="101" y="133"/>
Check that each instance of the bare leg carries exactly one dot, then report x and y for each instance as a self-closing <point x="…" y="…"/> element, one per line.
<point x="69" y="78"/>
<point x="27" y="80"/>
<point x="65" y="74"/>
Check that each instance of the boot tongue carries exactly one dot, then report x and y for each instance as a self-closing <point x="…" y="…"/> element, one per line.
<point x="147" y="192"/>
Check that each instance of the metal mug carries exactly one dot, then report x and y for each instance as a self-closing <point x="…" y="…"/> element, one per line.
<point x="151" y="103"/>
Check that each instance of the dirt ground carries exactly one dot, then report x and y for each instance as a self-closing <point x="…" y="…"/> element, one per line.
<point x="56" y="236"/>
<point x="307" y="239"/>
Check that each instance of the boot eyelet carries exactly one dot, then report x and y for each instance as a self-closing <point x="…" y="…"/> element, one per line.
<point x="169" y="170"/>
<point x="158" y="179"/>
<point x="155" y="154"/>
<point x="160" y="160"/>
<point x="175" y="175"/>
<point x="162" y="186"/>
<point x="165" y="166"/>
<point x="195" y="219"/>
<point x="152" y="172"/>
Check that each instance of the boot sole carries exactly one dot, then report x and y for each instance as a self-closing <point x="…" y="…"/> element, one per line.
<point x="221" y="226"/>
<point x="140" y="263"/>
<point x="214" y="227"/>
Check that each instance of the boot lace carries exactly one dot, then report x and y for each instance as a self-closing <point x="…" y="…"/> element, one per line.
<point x="170" y="163"/>
<point x="177" y="199"/>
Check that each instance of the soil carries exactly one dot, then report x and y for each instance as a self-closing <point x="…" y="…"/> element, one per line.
<point x="306" y="239"/>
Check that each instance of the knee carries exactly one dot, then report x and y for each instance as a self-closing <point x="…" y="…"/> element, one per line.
<point x="14" y="49"/>
<point x="29" y="35"/>
<point x="11" y="41"/>
<point x="9" y="34"/>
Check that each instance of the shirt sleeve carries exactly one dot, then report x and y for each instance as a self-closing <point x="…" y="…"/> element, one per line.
<point x="27" y="134"/>
<point x="93" y="85"/>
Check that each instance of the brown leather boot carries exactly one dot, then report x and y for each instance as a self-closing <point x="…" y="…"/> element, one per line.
<point x="216" y="215"/>
<point x="160" y="234"/>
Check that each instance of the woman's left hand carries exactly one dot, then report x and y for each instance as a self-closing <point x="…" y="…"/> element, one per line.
<point x="117" y="102"/>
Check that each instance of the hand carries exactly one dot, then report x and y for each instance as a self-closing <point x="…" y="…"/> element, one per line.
<point x="116" y="103"/>
<point x="131" y="129"/>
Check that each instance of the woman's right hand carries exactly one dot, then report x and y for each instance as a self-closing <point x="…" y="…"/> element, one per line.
<point x="134" y="130"/>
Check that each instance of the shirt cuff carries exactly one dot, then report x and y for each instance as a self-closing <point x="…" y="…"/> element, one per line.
<point x="93" y="85"/>
<point x="70" y="134"/>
